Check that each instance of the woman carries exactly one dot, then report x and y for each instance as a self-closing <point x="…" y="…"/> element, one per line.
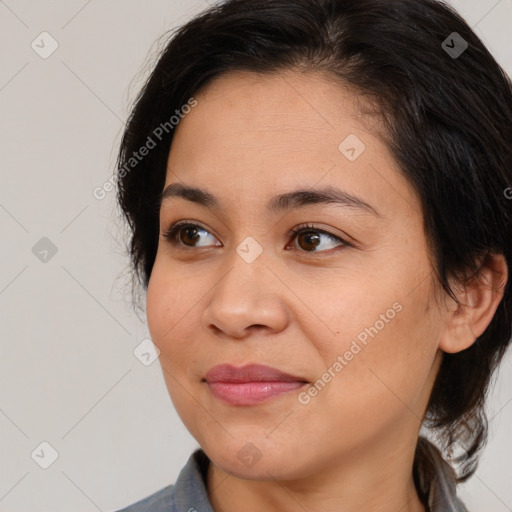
<point x="317" y="193"/>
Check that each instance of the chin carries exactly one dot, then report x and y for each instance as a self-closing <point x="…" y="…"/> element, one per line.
<point x="255" y="460"/>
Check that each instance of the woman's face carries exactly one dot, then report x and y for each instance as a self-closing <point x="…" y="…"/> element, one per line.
<point x="347" y="304"/>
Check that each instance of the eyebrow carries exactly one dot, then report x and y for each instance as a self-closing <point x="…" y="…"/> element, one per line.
<point x="287" y="201"/>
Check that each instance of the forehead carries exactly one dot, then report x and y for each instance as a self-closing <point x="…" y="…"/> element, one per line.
<point x="291" y="105"/>
<point x="265" y="131"/>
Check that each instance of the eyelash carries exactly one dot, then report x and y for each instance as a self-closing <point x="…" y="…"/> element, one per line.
<point x="172" y="231"/>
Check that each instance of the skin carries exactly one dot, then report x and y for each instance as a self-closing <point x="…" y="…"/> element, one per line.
<point x="296" y="307"/>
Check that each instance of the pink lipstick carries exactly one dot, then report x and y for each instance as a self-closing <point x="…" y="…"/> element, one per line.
<point x="250" y="384"/>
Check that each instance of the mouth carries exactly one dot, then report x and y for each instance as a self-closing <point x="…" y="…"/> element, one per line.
<point x="251" y="384"/>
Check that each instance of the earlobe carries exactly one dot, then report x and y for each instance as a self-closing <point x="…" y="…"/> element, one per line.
<point x="478" y="302"/>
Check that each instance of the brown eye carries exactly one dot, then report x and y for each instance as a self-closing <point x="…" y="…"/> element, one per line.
<point x="189" y="235"/>
<point x="308" y="240"/>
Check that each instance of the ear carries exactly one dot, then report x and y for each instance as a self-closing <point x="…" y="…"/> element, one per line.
<point x="478" y="301"/>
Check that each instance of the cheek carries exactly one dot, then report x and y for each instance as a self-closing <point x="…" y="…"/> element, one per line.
<point x="388" y="326"/>
<point x="158" y="303"/>
<point x="173" y="305"/>
<point x="166" y="307"/>
<point x="170" y="313"/>
<point x="393" y="367"/>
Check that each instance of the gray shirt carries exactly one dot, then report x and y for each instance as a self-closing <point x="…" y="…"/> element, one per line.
<point x="189" y="493"/>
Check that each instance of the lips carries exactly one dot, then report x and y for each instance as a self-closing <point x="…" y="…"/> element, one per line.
<point x="249" y="373"/>
<point x="250" y="384"/>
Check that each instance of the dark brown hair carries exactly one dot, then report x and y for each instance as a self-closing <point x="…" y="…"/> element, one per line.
<point x="447" y="121"/>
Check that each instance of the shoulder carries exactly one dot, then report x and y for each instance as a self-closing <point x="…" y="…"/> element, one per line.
<point x="187" y="494"/>
<point x="160" y="501"/>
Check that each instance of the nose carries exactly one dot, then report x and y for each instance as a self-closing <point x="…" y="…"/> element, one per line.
<point x="247" y="298"/>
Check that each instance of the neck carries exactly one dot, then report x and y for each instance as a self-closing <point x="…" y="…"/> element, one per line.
<point x="378" y="481"/>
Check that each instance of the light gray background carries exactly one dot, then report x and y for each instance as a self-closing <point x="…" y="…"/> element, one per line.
<point x="68" y="374"/>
